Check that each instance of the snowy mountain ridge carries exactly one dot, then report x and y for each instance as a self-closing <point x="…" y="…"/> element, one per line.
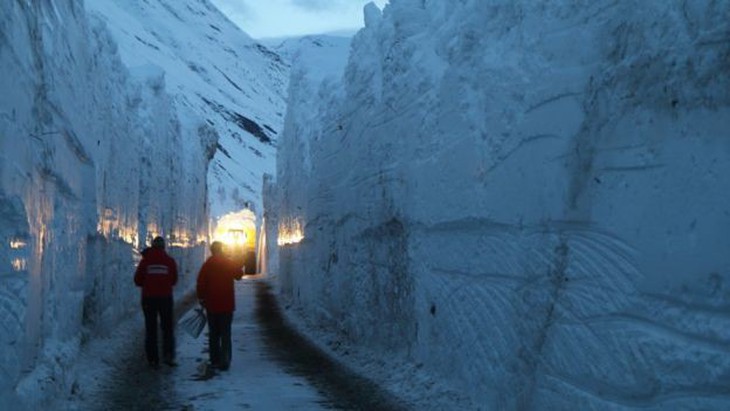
<point x="325" y="54"/>
<point x="217" y="71"/>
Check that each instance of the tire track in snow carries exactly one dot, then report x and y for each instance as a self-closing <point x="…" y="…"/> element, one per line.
<point x="345" y="389"/>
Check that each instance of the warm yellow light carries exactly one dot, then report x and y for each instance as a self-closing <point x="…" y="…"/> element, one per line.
<point x="19" y="264"/>
<point x="179" y="244"/>
<point x="182" y="238"/>
<point x="237" y="229"/>
<point x="112" y="225"/>
<point x="17" y="244"/>
<point x="291" y="231"/>
<point x="128" y="235"/>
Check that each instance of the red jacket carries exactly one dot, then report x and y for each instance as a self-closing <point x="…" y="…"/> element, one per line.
<point x="156" y="273"/>
<point x="215" y="284"/>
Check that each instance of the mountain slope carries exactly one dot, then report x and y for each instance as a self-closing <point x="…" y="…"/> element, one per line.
<point x="318" y="55"/>
<point x="219" y="73"/>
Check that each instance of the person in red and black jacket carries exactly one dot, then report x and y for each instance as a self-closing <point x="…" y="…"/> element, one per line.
<point x="157" y="274"/>
<point x="216" y="295"/>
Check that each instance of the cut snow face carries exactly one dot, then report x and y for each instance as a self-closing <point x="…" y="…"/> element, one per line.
<point x="110" y="115"/>
<point x="528" y="200"/>
<point x="235" y="85"/>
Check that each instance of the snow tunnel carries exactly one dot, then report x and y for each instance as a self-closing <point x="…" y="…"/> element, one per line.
<point x="237" y="231"/>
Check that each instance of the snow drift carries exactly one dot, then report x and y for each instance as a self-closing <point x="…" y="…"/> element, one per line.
<point x="529" y="201"/>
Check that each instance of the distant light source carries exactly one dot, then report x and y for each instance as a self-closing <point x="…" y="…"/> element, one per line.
<point x="19" y="264"/>
<point x="114" y="226"/>
<point x="129" y="235"/>
<point x="182" y="238"/>
<point x="291" y="231"/>
<point x="234" y="236"/>
<point x="237" y="230"/>
<point x="17" y="244"/>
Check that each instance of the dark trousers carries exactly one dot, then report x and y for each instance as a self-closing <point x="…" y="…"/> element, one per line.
<point x="219" y="339"/>
<point x="162" y="307"/>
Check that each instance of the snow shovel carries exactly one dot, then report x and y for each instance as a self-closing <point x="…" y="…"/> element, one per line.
<point x="193" y="322"/>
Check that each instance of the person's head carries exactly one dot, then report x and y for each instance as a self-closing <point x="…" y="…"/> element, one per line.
<point x="216" y="248"/>
<point x="158" y="242"/>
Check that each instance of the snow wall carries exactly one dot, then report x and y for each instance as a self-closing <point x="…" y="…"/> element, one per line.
<point x="94" y="159"/>
<point x="528" y="200"/>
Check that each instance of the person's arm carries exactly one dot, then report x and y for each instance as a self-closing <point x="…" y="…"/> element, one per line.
<point x="174" y="272"/>
<point x="139" y="275"/>
<point x="201" y="286"/>
<point x="237" y="265"/>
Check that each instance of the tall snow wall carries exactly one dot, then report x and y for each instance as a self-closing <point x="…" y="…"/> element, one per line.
<point x="93" y="161"/>
<point x="528" y="200"/>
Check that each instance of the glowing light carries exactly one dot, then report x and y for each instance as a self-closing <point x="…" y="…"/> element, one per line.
<point x="181" y="238"/>
<point x="129" y="236"/>
<point x="17" y="244"/>
<point x="19" y="264"/>
<point x="291" y="231"/>
<point x="237" y="229"/>
<point x="235" y="237"/>
<point x="111" y="225"/>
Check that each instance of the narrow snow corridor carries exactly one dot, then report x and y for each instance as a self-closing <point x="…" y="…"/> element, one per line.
<point x="273" y="368"/>
<point x="474" y="205"/>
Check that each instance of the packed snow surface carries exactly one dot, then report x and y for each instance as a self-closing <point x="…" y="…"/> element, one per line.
<point x="527" y="201"/>
<point x="110" y="114"/>
<point x="114" y="375"/>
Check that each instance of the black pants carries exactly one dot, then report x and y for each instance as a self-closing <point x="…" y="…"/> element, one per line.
<point x="219" y="339"/>
<point x="162" y="307"/>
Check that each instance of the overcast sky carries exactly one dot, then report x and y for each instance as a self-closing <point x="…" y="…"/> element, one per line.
<point x="280" y="18"/>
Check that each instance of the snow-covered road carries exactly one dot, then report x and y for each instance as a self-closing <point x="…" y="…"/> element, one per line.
<point x="273" y="368"/>
<point x="254" y="381"/>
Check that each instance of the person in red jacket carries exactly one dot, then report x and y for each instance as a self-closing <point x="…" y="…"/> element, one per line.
<point x="157" y="274"/>
<point x="216" y="295"/>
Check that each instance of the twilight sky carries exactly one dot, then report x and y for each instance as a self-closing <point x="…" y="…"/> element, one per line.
<point x="280" y="18"/>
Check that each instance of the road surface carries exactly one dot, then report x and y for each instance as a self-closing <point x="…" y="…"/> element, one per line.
<point x="273" y="368"/>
